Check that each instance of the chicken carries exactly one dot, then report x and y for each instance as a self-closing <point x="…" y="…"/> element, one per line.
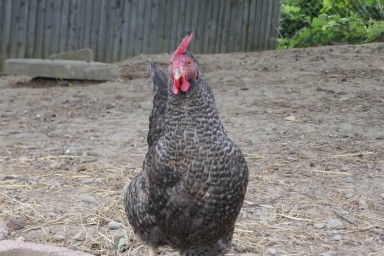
<point x="194" y="178"/>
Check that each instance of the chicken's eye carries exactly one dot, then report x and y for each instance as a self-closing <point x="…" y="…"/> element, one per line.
<point x="189" y="63"/>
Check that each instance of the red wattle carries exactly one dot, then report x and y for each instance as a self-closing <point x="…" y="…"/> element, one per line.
<point x="176" y="86"/>
<point x="180" y="83"/>
<point x="185" y="86"/>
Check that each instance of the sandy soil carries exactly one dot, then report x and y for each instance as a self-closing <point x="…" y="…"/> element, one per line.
<point x="309" y="121"/>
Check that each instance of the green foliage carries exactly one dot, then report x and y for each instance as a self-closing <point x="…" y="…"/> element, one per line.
<point x="330" y="21"/>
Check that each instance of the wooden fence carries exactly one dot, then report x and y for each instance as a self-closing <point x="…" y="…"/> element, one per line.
<point x="118" y="29"/>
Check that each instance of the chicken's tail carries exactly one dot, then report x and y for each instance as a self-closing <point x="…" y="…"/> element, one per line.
<point x="160" y="97"/>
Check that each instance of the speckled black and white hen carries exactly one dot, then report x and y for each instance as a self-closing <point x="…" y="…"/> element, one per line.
<point x="194" y="177"/>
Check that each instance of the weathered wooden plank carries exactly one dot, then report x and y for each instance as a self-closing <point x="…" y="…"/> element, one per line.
<point x="153" y="26"/>
<point x="71" y="37"/>
<point x="194" y="24"/>
<point x="116" y="50"/>
<point x="22" y="29"/>
<point x="39" y="29"/>
<point x="213" y="27"/>
<point x="232" y="28"/>
<point x="219" y="27"/>
<point x="2" y="7"/>
<point x="206" y="29"/>
<point x="80" y="21"/>
<point x="48" y="25"/>
<point x="262" y="31"/>
<point x="226" y="31"/>
<point x="267" y="25"/>
<point x="239" y="25"/>
<point x="102" y="31"/>
<point x="15" y="17"/>
<point x="56" y="28"/>
<point x="245" y="24"/>
<point x="146" y="26"/>
<point x="64" y="26"/>
<point x="160" y="25"/>
<point x="31" y="29"/>
<point x="125" y="30"/>
<point x="200" y="37"/>
<point x="132" y="29"/>
<point x="275" y="25"/>
<point x="251" y="25"/>
<point x="2" y="24"/>
<point x="188" y="27"/>
<point x="259" y="24"/>
<point x="167" y="15"/>
<point x="96" y="12"/>
<point x="179" y="26"/>
<point x="5" y="30"/>
<point x="108" y="36"/>
<point x="174" y="38"/>
<point x="139" y="27"/>
<point x="87" y="24"/>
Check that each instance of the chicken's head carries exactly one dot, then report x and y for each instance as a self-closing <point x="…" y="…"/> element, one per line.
<point x="183" y="67"/>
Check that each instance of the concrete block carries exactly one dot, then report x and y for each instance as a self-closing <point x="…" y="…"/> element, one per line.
<point x="85" y="54"/>
<point x="62" y="69"/>
<point x="19" y="248"/>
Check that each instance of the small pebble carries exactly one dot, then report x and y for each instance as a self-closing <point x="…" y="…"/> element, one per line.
<point x="272" y="251"/>
<point x="55" y="186"/>
<point x="79" y="236"/>
<point x="311" y="164"/>
<point x="327" y="254"/>
<point x="348" y="195"/>
<point x="382" y="195"/>
<point x="336" y="237"/>
<point x="348" y="179"/>
<point x="370" y="175"/>
<point x="89" y="199"/>
<point x="110" y="106"/>
<point x="319" y="225"/>
<point x="122" y="243"/>
<point x="334" y="224"/>
<point x="59" y="237"/>
<point x="113" y="225"/>
<point x="92" y="180"/>
<point x="20" y="239"/>
<point x="344" y="168"/>
<point x="362" y="204"/>
<point x="17" y="222"/>
<point x="73" y="247"/>
<point x="290" y="119"/>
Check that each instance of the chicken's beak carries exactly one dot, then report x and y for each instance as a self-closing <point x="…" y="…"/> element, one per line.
<point x="178" y="73"/>
<point x="179" y="81"/>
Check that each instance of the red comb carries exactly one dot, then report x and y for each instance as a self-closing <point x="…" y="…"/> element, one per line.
<point x="184" y="45"/>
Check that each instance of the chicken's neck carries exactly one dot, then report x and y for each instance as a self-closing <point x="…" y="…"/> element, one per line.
<point x="194" y="110"/>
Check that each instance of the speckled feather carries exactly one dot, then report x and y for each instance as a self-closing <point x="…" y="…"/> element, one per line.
<point x="194" y="177"/>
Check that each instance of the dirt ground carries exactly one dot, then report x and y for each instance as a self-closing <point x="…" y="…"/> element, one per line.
<point x="309" y="121"/>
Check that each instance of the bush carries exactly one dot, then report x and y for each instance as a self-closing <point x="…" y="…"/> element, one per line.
<point x="330" y="21"/>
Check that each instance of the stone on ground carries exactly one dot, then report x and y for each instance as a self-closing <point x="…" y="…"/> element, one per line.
<point x="62" y="69"/>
